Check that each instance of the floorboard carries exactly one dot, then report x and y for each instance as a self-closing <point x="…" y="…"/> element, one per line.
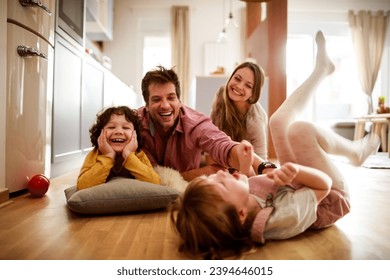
<point x="45" y="229"/>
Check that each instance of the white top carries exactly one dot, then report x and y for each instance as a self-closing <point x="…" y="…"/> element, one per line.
<point x="256" y="130"/>
<point x="295" y="211"/>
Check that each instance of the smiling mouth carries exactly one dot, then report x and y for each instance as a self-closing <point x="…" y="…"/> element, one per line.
<point x="237" y="92"/>
<point x="117" y="140"/>
<point x="166" y="114"/>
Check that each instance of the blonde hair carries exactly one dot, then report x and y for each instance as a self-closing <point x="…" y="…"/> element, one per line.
<point x="225" y="115"/>
<point x="209" y="227"/>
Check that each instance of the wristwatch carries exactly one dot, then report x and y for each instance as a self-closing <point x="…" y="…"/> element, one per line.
<point x="264" y="165"/>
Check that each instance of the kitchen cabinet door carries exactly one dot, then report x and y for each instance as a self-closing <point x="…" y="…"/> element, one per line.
<point x="29" y="89"/>
<point x="99" y="18"/>
<point x="67" y="102"/>
<point x="92" y="101"/>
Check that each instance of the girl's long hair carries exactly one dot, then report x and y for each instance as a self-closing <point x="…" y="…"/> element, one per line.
<point x="225" y="115"/>
<point x="209" y="227"/>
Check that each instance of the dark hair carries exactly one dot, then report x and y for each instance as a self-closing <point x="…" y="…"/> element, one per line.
<point x="161" y="76"/>
<point x="209" y="227"/>
<point x="103" y="117"/>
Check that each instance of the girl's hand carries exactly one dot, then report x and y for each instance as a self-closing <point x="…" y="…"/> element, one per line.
<point x="285" y="174"/>
<point x="245" y="151"/>
<point x="132" y="144"/>
<point x="105" y="147"/>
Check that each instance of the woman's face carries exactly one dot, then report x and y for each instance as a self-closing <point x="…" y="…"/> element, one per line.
<point x="240" y="86"/>
<point x="233" y="188"/>
<point x="118" y="132"/>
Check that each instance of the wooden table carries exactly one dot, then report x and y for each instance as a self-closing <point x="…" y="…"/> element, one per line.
<point x="380" y="125"/>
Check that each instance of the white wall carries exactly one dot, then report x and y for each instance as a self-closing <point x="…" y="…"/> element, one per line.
<point x="132" y="18"/>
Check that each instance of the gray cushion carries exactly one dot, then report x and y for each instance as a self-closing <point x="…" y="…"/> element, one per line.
<point x="120" y="195"/>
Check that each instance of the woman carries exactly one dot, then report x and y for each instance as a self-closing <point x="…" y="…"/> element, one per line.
<point x="236" y="110"/>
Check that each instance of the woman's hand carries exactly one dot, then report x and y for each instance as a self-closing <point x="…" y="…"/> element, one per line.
<point x="105" y="147"/>
<point x="285" y="174"/>
<point x="132" y="144"/>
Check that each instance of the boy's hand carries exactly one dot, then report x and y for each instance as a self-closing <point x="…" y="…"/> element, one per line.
<point x="105" y="147"/>
<point x="132" y="144"/>
<point x="285" y="174"/>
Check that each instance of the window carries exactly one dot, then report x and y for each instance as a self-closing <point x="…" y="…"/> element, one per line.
<point x="157" y="51"/>
<point x="340" y="95"/>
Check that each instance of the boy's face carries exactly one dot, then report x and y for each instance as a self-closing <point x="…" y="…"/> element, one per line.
<point x="163" y="106"/>
<point x="118" y="132"/>
<point x="233" y="188"/>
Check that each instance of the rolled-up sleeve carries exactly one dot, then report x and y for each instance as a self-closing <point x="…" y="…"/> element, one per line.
<point x="214" y="141"/>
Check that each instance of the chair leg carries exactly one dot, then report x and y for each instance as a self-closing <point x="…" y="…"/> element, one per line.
<point x="359" y="129"/>
<point x="383" y="138"/>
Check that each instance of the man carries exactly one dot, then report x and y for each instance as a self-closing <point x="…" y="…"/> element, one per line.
<point x="176" y="135"/>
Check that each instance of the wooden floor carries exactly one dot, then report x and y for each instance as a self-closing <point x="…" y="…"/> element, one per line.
<point x="44" y="228"/>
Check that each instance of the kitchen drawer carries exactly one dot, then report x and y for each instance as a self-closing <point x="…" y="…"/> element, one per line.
<point x="34" y="18"/>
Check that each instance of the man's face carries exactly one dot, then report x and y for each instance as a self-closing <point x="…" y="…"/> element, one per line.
<point x="163" y="106"/>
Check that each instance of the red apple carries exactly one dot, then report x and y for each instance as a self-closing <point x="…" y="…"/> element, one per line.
<point x="38" y="185"/>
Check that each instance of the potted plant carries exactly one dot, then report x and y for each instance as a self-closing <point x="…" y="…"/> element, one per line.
<point x="381" y="105"/>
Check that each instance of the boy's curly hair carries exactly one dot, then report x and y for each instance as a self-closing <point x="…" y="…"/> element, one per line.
<point x="103" y="117"/>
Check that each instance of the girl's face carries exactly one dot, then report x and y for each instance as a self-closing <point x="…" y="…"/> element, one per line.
<point x="233" y="188"/>
<point x="240" y="86"/>
<point x="118" y="132"/>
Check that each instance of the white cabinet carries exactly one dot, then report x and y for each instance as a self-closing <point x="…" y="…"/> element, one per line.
<point x="78" y="97"/>
<point x="28" y="34"/>
<point x="92" y="99"/>
<point x="206" y="88"/>
<point x="66" y="102"/>
<point x="27" y="106"/>
<point x="99" y="20"/>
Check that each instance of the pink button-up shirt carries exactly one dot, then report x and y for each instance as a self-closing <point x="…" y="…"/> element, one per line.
<point x="193" y="134"/>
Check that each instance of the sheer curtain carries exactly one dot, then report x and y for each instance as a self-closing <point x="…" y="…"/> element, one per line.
<point x="369" y="31"/>
<point x="180" y="47"/>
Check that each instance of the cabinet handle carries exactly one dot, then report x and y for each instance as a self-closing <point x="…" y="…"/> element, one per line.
<point x="24" y="51"/>
<point x="35" y="3"/>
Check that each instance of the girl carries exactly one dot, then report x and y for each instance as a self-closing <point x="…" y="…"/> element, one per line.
<point x="116" y="140"/>
<point x="225" y="215"/>
<point x="236" y="110"/>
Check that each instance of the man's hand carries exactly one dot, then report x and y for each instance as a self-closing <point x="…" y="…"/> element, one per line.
<point x="245" y="157"/>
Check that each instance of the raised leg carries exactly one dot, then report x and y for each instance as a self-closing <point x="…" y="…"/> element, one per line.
<point x="312" y="144"/>
<point x="307" y="144"/>
<point x="295" y="104"/>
